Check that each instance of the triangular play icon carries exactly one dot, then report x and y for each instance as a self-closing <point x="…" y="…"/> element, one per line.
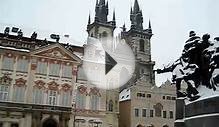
<point x="109" y="63"/>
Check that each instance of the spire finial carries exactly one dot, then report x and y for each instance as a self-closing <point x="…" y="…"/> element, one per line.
<point x="114" y="15"/>
<point x="149" y="26"/>
<point x="89" y="21"/>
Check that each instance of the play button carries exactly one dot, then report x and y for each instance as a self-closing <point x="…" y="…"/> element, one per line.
<point x="108" y="64"/>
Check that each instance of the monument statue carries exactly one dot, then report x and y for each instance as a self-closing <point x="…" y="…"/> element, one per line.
<point x="198" y="65"/>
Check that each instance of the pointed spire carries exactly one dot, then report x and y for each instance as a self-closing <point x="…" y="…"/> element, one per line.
<point x="96" y="3"/>
<point x="107" y="4"/>
<point x="114" y="15"/>
<point x="89" y="21"/>
<point x="131" y="11"/>
<point x="114" y="18"/>
<point x="136" y="7"/>
<point x="149" y="26"/>
<point x="102" y="2"/>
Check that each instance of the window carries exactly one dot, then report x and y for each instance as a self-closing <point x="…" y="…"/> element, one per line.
<point x="22" y="65"/>
<point x="80" y="100"/>
<point x="8" y="63"/>
<point x="41" y="68"/>
<point x="158" y="109"/>
<point x="171" y="114"/>
<point x="136" y="112"/>
<point x="104" y="34"/>
<point x="110" y="105"/>
<point x="54" y="69"/>
<point x="164" y="97"/>
<point x="144" y="112"/>
<point x="66" y="98"/>
<point x="148" y="95"/>
<point x="141" y="45"/>
<point x="151" y="113"/>
<point x="18" y="94"/>
<point x="37" y="96"/>
<point x="66" y="71"/>
<point x="4" y="92"/>
<point x="173" y="98"/>
<point x="168" y="98"/>
<point x="140" y="94"/>
<point x="164" y="114"/>
<point x="94" y="102"/>
<point x="52" y="97"/>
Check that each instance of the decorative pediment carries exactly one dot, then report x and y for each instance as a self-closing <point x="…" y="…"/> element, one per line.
<point x="20" y="82"/>
<point x="5" y="80"/>
<point x="82" y="89"/>
<point x="39" y="84"/>
<point x="53" y="86"/>
<point x="56" y="51"/>
<point x="94" y="91"/>
<point x="66" y="87"/>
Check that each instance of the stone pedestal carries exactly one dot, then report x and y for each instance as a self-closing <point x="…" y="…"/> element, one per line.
<point x="201" y="113"/>
<point x="180" y="109"/>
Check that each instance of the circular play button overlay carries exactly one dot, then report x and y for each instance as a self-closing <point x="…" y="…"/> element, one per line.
<point x="108" y="64"/>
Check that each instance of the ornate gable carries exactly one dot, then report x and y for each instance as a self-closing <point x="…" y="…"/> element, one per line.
<point x="56" y="51"/>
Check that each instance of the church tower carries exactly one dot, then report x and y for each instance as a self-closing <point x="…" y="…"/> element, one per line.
<point x="139" y="40"/>
<point x="101" y="28"/>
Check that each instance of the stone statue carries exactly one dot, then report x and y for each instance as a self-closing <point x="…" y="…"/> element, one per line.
<point x="198" y="65"/>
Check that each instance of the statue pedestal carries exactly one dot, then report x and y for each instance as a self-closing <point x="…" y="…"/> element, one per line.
<point x="203" y="112"/>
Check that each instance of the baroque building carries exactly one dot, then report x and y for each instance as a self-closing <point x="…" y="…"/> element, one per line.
<point x="142" y="104"/>
<point x="42" y="83"/>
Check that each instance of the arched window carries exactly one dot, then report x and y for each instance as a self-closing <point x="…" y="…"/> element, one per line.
<point x="80" y="99"/>
<point x="141" y="45"/>
<point x="111" y="106"/>
<point x="105" y="34"/>
<point x="158" y="108"/>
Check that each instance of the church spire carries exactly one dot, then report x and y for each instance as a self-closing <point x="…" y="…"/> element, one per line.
<point x="149" y="27"/>
<point x="114" y="18"/>
<point x="89" y="20"/>
<point x="101" y="11"/>
<point x="136" y="17"/>
<point x="136" y="7"/>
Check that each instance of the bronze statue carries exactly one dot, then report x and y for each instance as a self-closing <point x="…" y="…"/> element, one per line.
<point x="196" y="66"/>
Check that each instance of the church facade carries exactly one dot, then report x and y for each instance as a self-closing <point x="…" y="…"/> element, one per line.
<point x="142" y="103"/>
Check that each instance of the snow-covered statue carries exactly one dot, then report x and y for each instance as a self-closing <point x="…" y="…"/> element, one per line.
<point x="198" y="65"/>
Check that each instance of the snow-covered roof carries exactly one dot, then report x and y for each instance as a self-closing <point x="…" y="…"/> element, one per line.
<point x="125" y="95"/>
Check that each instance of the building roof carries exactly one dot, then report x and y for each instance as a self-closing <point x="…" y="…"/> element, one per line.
<point x="125" y="95"/>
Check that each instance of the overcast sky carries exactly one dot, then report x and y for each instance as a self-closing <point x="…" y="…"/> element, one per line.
<point x="171" y="21"/>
